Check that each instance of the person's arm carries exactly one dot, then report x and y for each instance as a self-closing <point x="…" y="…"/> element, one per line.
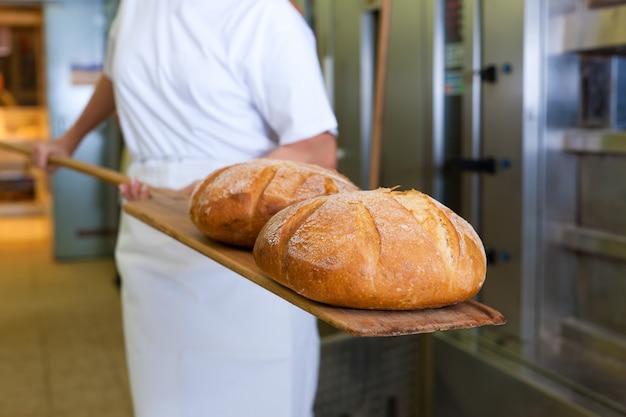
<point x="101" y="105"/>
<point x="320" y="150"/>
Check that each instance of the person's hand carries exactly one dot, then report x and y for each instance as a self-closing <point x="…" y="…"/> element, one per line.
<point x="41" y="151"/>
<point x="135" y="191"/>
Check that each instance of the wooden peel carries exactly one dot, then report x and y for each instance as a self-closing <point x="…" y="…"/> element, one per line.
<point x="104" y="174"/>
<point x="384" y="28"/>
<point x="166" y="211"/>
<point x="170" y="217"/>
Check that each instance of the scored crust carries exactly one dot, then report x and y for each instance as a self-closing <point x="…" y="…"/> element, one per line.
<point x="380" y="249"/>
<point x="232" y="204"/>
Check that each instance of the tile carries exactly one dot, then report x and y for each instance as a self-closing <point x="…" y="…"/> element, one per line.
<point x="23" y="405"/>
<point x="61" y="339"/>
<point x="24" y="229"/>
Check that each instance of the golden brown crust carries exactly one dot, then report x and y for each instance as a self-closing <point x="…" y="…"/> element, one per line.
<point x="232" y="204"/>
<point x="380" y="249"/>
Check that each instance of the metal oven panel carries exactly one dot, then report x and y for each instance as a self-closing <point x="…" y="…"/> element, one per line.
<point x="603" y="92"/>
<point x="605" y="3"/>
<point x="368" y="377"/>
<point x="603" y="193"/>
<point x="601" y="286"/>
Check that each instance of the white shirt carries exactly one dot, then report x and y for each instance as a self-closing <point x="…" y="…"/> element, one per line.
<point x="200" y="84"/>
<point x="225" y="80"/>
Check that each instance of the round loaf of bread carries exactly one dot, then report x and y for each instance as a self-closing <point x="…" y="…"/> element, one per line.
<point x="379" y="249"/>
<point x="232" y="204"/>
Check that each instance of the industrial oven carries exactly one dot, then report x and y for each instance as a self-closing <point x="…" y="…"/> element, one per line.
<point x="513" y="114"/>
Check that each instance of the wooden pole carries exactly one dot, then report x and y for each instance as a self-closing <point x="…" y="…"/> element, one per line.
<point x="101" y="173"/>
<point x="379" y="92"/>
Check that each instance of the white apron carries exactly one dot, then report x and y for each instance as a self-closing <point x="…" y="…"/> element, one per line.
<point x="201" y="340"/>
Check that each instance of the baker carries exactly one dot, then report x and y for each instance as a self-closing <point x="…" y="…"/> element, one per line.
<point x="197" y="85"/>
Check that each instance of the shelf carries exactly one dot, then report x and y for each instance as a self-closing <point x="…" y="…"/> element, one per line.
<point x="29" y="208"/>
<point x="595" y="141"/>
<point x="593" y="337"/>
<point x="593" y="242"/>
<point x="601" y="30"/>
<point x="28" y="123"/>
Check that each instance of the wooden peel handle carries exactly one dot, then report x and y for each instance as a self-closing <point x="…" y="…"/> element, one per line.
<point x="95" y="171"/>
<point x="104" y="174"/>
<point x="384" y="29"/>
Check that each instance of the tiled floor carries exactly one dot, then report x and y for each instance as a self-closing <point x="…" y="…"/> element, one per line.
<point x="61" y="342"/>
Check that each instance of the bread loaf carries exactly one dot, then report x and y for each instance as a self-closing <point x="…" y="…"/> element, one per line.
<point x="379" y="249"/>
<point x="232" y="204"/>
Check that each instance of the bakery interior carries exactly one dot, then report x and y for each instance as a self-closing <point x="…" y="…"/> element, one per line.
<point x="512" y="113"/>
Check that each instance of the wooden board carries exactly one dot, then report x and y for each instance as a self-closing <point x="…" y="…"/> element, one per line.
<point x="167" y="212"/>
<point x="169" y="215"/>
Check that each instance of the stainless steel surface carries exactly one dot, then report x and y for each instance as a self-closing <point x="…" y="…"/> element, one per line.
<point x="593" y="242"/>
<point x="580" y="329"/>
<point x="346" y="39"/>
<point x="438" y="102"/>
<point x="594" y="338"/>
<point x="344" y="49"/>
<point x="562" y="350"/>
<point x="501" y="193"/>
<point x="493" y="380"/>
<point x="533" y="122"/>
<point x="595" y="141"/>
<point x="369" y="25"/>
<point x="482" y="123"/>
<point x="603" y="92"/>
<point x="474" y="11"/>
<point x="407" y="151"/>
<point x="589" y="29"/>
<point x="368" y="377"/>
<point x="601" y="198"/>
<point x="540" y="211"/>
<point x="425" y="376"/>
